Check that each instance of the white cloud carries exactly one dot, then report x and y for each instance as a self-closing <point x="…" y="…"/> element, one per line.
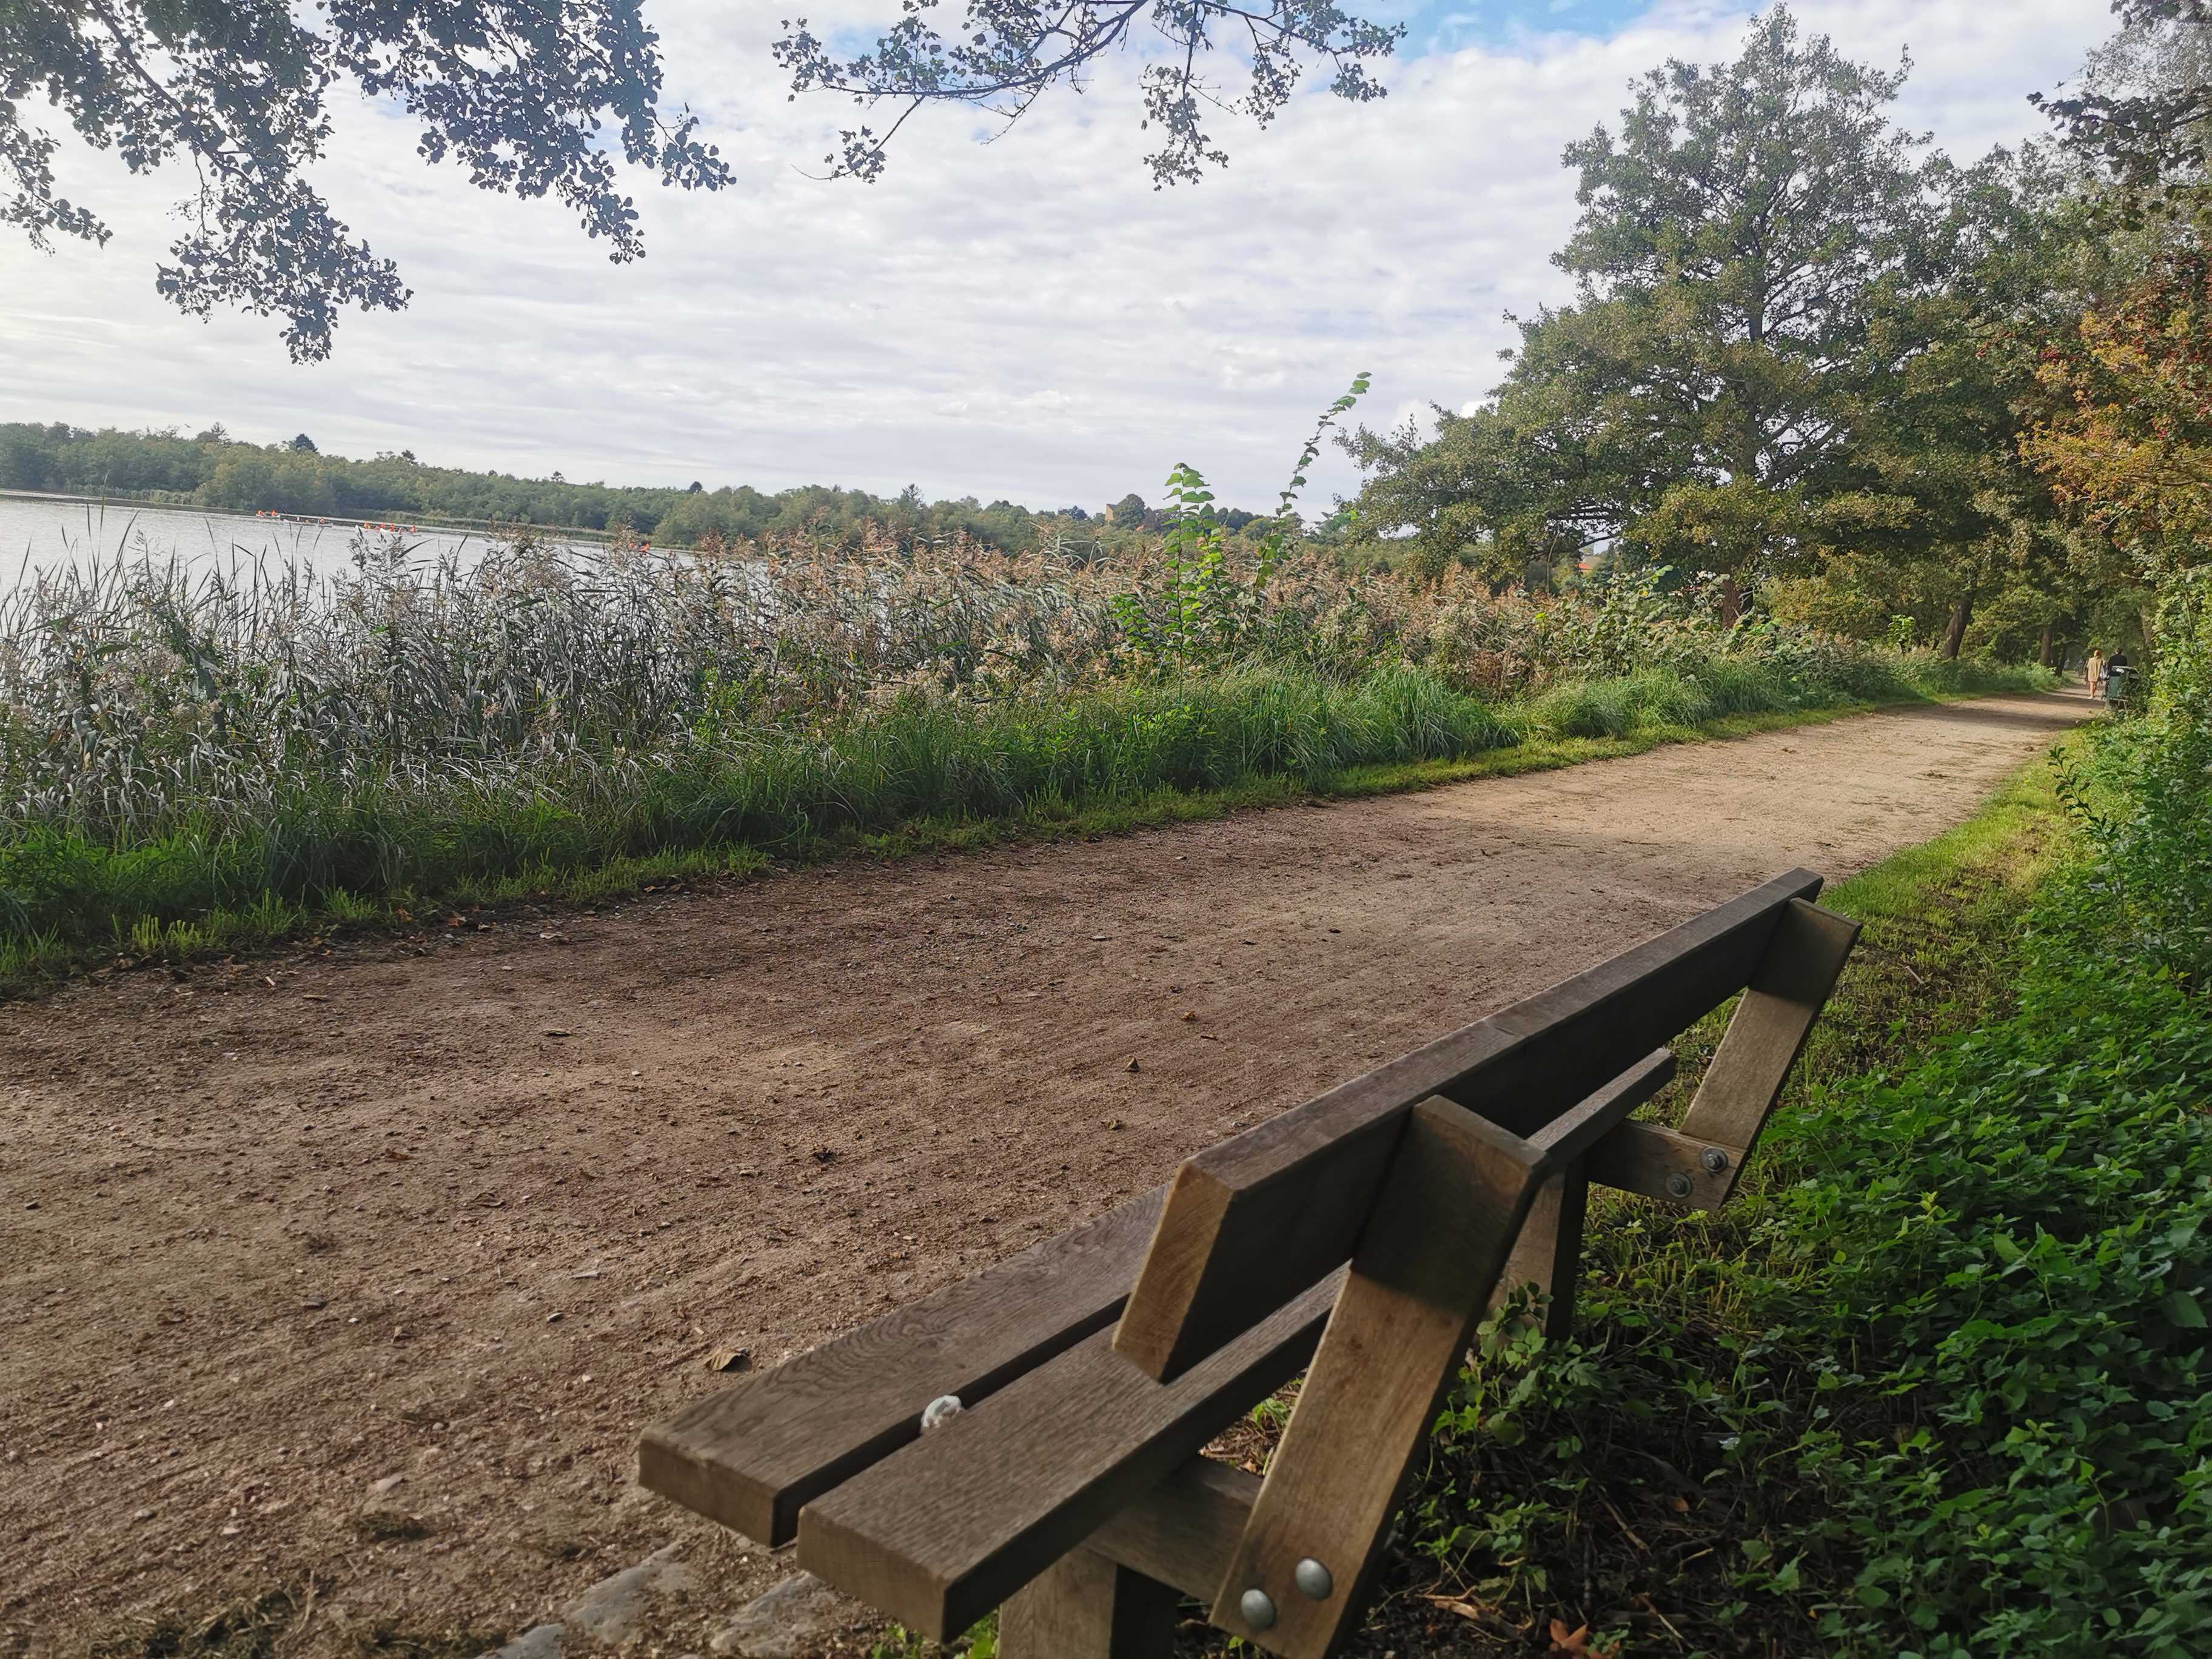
<point x="1026" y="319"/>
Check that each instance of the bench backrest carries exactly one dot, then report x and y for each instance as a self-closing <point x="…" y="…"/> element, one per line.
<point x="1360" y="1235"/>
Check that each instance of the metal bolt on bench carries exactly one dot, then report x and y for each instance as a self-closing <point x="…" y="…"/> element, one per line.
<point x="1356" y="1238"/>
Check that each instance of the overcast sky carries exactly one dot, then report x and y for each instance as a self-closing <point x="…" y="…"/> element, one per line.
<point x="1025" y="318"/>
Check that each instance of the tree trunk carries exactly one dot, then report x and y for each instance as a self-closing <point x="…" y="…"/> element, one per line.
<point x="1731" y="602"/>
<point x="1955" y="634"/>
<point x="2043" y="656"/>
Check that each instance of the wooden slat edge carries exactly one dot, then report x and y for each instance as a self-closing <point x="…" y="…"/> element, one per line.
<point x="1291" y="1193"/>
<point x="1184" y="1530"/>
<point x="1572" y="1134"/>
<point x="946" y="1528"/>
<point x="750" y="1455"/>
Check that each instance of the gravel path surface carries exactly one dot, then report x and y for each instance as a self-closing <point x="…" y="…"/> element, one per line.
<point x="470" y="1210"/>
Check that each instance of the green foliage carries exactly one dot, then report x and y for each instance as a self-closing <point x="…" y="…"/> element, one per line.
<point x="900" y="1643"/>
<point x="1937" y="1385"/>
<point x="199" y="762"/>
<point x="527" y="99"/>
<point x="1787" y="348"/>
<point x="1002" y="54"/>
<point x="1206" y="604"/>
<point x="347" y="851"/>
<point x="2147" y="799"/>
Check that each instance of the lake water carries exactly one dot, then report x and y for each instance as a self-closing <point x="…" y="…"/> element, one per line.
<point x="47" y="533"/>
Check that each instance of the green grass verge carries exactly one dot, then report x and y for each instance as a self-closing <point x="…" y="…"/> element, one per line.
<point x="915" y="780"/>
<point x="1935" y="1385"/>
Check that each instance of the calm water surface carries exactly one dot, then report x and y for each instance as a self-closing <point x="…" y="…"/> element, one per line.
<point x="43" y="532"/>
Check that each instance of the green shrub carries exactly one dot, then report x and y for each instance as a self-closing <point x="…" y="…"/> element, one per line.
<point x="1938" y="1384"/>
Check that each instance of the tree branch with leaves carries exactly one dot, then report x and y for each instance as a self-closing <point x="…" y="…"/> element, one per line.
<point x="1006" y="54"/>
<point x="536" y="99"/>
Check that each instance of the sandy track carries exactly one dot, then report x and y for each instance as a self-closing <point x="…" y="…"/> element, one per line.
<point x="267" y="1245"/>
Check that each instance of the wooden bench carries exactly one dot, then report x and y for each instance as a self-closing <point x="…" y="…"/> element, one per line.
<point x="1356" y="1238"/>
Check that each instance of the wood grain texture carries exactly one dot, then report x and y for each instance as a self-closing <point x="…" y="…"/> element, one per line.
<point x="1184" y="1530"/>
<point x="1642" y="1158"/>
<point x="1769" y="1028"/>
<point x="1251" y="1222"/>
<point x="1549" y="1252"/>
<point x="1085" y="1607"/>
<point x="1564" y="1139"/>
<point x="750" y="1455"/>
<point x="1443" y="1225"/>
<point x="947" y="1527"/>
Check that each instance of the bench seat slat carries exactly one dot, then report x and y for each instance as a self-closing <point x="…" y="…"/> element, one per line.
<point x="751" y="1455"/>
<point x="941" y="1532"/>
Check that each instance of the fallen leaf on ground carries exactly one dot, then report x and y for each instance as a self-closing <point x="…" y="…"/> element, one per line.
<point x="1569" y="1641"/>
<point x="1456" y="1604"/>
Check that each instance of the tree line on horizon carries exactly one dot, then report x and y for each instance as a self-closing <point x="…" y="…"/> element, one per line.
<point x="215" y="471"/>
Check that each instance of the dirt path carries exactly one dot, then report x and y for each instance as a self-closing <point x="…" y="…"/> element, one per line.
<point x="469" y="1211"/>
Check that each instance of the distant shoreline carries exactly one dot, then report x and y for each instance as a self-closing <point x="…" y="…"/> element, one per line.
<point x="168" y="501"/>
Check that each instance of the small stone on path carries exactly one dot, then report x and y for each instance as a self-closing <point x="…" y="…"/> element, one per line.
<point x="786" y="1622"/>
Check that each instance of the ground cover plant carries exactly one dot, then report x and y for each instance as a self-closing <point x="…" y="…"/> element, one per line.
<point x="199" y="758"/>
<point x="1937" y="1383"/>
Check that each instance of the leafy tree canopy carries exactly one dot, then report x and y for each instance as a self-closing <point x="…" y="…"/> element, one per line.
<point x="1003" y="57"/>
<point x="1763" y="258"/>
<point x="2143" y="109"/>
<point x="536" y="100"/>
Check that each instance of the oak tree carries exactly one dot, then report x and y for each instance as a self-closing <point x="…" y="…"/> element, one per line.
<point x="1762" y="258"/>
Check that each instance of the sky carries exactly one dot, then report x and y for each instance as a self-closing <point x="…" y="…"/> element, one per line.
<point x="1014" y="314"/>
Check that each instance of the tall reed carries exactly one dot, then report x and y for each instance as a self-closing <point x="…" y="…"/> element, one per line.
<point x="177" y="740"/>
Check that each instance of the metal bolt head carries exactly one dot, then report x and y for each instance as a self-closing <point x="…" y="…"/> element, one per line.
<point x="1313" y="1579"/>
<point x="1678" y="1185"/>
<point x="1714" y="1160"/>
<point x="1257" y="1608"/>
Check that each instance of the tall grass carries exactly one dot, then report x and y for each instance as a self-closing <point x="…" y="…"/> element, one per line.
<point x="206" y="751"/>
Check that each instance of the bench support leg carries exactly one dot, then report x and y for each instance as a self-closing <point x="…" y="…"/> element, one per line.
<point x="1698" y="1165"/>
<point x="1084" y="1606"/>
<point x="1452" y="1205"/>
<point x="1768" y="1032"/>
<point x="1549" y="1252"/>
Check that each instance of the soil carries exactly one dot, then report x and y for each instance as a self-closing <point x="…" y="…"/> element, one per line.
<point x="469" y="1209"/>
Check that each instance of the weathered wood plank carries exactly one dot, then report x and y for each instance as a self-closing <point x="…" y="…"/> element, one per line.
<point x="1582" y="1126"/>
<point x="1769" y="1028"/>
<point x="1184" y="1530"/>
<point x="1549" y="1252"/>
<point x="750" y="1455"/>
<point x="1085" y="1607"/>
<point x="1253" y="1220"/>
<point x="1661" y="1163"/>
<point x="947" y="1527"/>
<point x="1443" y="1225"/>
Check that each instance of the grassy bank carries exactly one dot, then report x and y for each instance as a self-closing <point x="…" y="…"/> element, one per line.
<point x="196" y="761"/>
<point x="924" y="773"/>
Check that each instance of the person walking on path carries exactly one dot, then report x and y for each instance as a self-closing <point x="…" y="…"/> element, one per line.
<point x="2096" y="671"/>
